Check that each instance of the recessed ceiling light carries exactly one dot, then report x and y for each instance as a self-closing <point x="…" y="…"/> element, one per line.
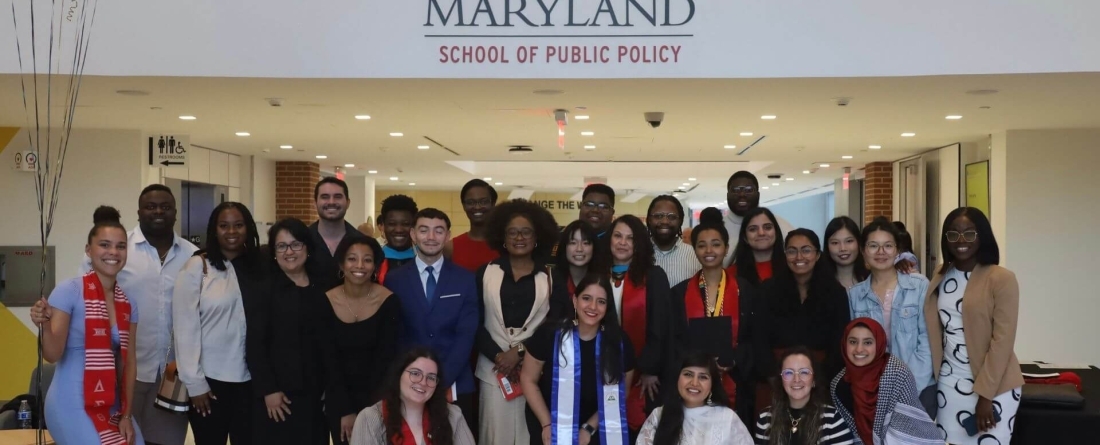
<point x="874" y="147"/>
<point x="768" y="117"/>
<point x="790" y="179"/>
<point x="498" y="183"/>
<point x="775" y="184"/>
<point x="397" y="135"/>
<point x="373" y="172"/>
<point x="746" y="133"/>
<point x="243" y="133"/>
<point x="132" y="92"/>
<point x="187" y="118"/>
<point x="412" y="183"/>
<point x="588" y="133"/>
<point x="349" y="165"/>
<point x="846" y="157"/>
<point x="487" y="179"/>
<point x="686" y="184"/>
<point x="286" y="147"/>
<point x="764" y="188"/>
<point x="682" y="187"/>
<point x="805" y="172"/>
<point x="394" y="178"/>
<point x="423" y="147"/>
<point x="582" y="117"/>
<point x="729" y="147"/>
<point x="589" y="147"/>
<point x="362" y="117"/>
<point x="548" y="92"/>
<point x="823" y="165"/>
<point x="908" y="135"/>
<point x="321" y="157"/>
<point x="953" y="117"/>
<point x="691" y="179"/>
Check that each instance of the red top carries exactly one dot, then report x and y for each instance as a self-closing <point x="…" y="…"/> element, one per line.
<point x="470" y="254"/>
<point x="763" y="270"/>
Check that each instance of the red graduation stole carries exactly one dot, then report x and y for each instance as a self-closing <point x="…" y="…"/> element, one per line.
<point x="731" y="306"/>
<point x="100" y="372"/>
<point x="382" y="271"/>
<point x="570" y="284"/>
<point x="405" y="437"/>
<point x="634" y="324"/>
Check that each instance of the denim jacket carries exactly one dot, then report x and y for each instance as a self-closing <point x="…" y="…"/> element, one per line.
<point x="908" y="336"/>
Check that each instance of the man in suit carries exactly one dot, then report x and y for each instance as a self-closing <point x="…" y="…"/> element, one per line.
<point x="440" y="307"/>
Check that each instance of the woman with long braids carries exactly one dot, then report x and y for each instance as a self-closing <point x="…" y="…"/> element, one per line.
<point x="699" y="413"/>
<point x="799" y="413"/>
<point x="413" y="409"/>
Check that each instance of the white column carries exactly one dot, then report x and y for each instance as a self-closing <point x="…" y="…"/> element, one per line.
<point x="361" y="194"/>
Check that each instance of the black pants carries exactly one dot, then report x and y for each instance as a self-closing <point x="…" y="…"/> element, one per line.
<point x="306" y="424"/>
<point x="230" y="415"/>
<point x="468" y="404"/>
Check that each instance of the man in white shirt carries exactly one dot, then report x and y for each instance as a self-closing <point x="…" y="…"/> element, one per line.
<point x="155" y="255"/>
<point x="743" y="195"/>
<point x="664" y="219"/>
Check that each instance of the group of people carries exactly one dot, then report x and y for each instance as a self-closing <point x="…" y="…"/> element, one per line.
<point x="613" y="330"/>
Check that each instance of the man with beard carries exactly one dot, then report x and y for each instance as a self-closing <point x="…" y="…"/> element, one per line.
<point x="330" y="196"/>
<point x="742" y="195"/>
<point x="440" y="305"/>
<point x="664" y="219"/>
<point x="155" y="255"/>
<point x="470" y="250"/>
<point x="397" y="218"/>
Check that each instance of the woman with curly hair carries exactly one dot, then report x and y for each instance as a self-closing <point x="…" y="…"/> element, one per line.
<point x="516" y="292"/>
<point x="412" y="410"/>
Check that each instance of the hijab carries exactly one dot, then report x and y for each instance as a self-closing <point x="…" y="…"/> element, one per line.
<point x="865" y="379"/>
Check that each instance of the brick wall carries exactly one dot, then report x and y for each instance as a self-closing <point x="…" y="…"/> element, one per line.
<point x="294" y="182"/>
<point x="878" y="191"/>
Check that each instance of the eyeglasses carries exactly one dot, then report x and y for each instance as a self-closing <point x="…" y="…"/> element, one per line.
<point x="744" y="189"/>
<point x="665" y="216"/>
<point x="519" y="233"/>
<point x="483" y="202"/>
<point x="803" y="374"/>
<point x="294" y="246"/>
<point x="968" y="236"/>
<point x="887" y="247"/>
<point x="417" y="376"/>
<point x="603" y="206"/>
<point x="806" y="251"/>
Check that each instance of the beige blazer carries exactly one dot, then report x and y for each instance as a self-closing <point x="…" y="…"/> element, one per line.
<point x="494" y="316"/>
<point x="990" y="309"/>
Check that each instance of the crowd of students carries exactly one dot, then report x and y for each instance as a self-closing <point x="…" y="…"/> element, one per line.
<point x="609" y="331"/>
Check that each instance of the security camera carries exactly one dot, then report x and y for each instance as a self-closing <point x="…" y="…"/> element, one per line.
<point x="843" y="101"/>
<point x="275" y="102"/>
<point x="654" y="118"/>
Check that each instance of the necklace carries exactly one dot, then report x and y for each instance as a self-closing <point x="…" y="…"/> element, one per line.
<point x="163" y="256"/>
<point x="794" y="422"/>
<point x="713" y="309"/>
<point x="344" y="299"/>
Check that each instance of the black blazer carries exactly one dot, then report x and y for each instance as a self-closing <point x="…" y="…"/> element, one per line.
<point x="281" y="346"/>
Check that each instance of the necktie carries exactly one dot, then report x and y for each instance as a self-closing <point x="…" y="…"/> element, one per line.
<point x="429" y="290"/>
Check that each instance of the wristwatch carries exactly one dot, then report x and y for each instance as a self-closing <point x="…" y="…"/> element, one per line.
<point x="521" y="350"/>
<point x="588" y="429"/>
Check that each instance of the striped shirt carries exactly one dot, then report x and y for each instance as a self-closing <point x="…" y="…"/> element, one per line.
<point x="679" y="263"/>
<point x="834" y="431"/>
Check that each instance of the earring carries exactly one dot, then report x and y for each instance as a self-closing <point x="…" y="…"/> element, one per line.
<point x="536" y="243"/>
<point x="576" y="318"/>
<point x="340" y="273"/>
<point x="710" y="399"/>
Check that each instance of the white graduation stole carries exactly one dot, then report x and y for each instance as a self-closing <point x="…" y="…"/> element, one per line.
<point x="565" y="401"/>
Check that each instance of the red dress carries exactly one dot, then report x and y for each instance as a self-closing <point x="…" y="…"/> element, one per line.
<point x="470" y="254"/>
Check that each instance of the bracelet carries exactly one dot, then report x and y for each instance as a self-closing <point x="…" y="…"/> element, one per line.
<point x="126" y="417"/>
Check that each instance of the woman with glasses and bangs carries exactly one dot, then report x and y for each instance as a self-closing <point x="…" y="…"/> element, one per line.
<point x="282" y="343"/>
<point x="896" y="300"/>
<point x="979" y="379"/>
<point x="799" y="413"/>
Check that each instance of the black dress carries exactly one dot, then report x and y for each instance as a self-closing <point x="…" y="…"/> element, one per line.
<point x="817" y="323"/>
<point x="358" y="357"/>
<point x="541" y="347"/>
<point x="283" y="355"/>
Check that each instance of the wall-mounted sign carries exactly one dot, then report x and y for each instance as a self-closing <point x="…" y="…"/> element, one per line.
<point x="169" y="150"/>
<point x="558" y="205"/>
<point x="26" y="161"/>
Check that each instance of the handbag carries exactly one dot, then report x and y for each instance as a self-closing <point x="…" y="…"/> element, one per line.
<point x="1063" y="396"/>
<point x="172" y="394"/>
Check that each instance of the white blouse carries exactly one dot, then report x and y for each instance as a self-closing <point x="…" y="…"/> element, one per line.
<point x="705" y="425"/>
<point x="208" y="315"/>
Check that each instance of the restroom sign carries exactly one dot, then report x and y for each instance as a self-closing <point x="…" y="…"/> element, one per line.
<point x="26" y="161"/>
<point x="169" y="150"/>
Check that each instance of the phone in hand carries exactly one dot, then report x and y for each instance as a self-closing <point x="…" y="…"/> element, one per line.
<point x="971" y="423"/>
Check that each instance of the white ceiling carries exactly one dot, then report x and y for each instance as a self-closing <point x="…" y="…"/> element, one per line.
<point x="479" y="119"/>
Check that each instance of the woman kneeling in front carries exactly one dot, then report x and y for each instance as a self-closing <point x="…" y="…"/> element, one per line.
<point x="699" y="414"/>
<point x="875" y="392"/>
<point x="799" y="414"/>
<point x="412" y="412"/>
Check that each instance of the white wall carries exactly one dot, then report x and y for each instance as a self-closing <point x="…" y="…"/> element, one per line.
<point x="811" y="212"/>
<point x="102" y="167"/>
<point x="262" y="189"/>
<point x="1049" y="218"/>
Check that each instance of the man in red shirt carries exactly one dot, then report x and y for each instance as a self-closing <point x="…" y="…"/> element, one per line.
<point x="469" y="250"/>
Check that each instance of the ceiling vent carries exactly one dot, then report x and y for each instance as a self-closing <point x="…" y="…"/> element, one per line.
<point x="519" y="149"/>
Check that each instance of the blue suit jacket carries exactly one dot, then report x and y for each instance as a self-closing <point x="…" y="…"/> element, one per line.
<point x="448" y="325"/>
